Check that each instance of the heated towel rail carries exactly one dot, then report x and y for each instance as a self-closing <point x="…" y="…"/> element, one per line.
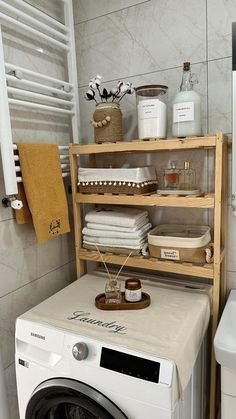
<point x="24" y="88"/>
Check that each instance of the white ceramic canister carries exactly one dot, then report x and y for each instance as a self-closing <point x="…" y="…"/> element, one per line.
<point x="152" y="111"/>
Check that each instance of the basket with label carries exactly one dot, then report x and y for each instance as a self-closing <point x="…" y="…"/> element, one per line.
<point x="130" y="181"/>
<point x="184" y="243"/>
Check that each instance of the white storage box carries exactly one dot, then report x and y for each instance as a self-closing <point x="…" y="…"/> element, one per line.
<point x="186" y="243"/>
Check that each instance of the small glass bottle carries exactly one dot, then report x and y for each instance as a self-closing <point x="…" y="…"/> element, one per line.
<point x="112" y="292"/>
<point x="171" y="177"/>
<point x="188" y="177"/>
<point x="186" y="107"/>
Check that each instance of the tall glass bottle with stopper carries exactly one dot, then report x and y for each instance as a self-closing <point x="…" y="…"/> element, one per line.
<point x="188" y="177"/>
<point x="186" y="107"/>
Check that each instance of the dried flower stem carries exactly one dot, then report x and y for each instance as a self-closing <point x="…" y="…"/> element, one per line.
<point x="98" y="89"/>
<point x="104" y="263"/>
<point x="123" y="265"/>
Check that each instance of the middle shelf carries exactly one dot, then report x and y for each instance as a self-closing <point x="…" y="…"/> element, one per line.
<point x="183" y="268"/>
<point x="191" y="201"/>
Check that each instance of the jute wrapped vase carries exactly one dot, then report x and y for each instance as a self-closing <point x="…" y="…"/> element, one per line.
<point x="107" y="123"/>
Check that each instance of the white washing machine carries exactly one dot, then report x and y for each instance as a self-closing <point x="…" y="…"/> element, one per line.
<point x="74" y="361"/>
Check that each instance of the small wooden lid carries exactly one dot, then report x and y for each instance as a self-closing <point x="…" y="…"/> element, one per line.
<point x="132" y="284"/>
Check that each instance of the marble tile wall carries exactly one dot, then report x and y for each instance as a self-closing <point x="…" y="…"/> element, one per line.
<point x="29" y="272"/>
<point x="146" y="42"/>
<point x="143" y="41"/>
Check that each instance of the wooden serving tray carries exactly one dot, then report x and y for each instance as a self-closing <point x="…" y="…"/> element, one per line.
<point x="124" y="305"/>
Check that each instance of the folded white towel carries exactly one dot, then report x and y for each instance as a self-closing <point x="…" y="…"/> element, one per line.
<point x="143" y="221"/>
<point x="111" y="247"/>
<point x="141" y="233"/>
<point x="105" y="241"/>
<point x="116" y="216"/>
<point x="117" y="250"/>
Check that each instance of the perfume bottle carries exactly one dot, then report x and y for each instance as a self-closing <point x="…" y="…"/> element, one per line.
<point x="188" y="181"/>
<point x="112" y="292"/>
<point x="171" y="177"/>
<point x="186" y="107"/>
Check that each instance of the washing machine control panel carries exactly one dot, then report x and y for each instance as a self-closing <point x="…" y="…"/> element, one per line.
<point x="80" y="351"/>
<point x="135" y="366"/>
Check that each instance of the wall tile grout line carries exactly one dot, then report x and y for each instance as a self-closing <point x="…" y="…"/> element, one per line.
<point x="144" y="74"/>
<point x="219" y="58"/>
<point x="157" y="71"/>
<point x="36" y="279"/>
<point x="7" y="219"/>
<point x="8" y="366"/>
<point x="110" y="13"/>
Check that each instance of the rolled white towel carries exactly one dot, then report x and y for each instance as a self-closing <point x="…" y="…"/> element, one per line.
<point x="141" y="233"/>
<point x="115" y="216"/>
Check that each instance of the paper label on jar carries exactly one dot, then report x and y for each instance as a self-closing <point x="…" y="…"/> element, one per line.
<point x="170" y="254"/>
<point x="133" y="295"/>
<point x="183" y="112"/>
<point x="149" y="108"/>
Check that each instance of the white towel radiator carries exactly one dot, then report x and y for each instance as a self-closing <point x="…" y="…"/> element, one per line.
<point x="48" y="94"/>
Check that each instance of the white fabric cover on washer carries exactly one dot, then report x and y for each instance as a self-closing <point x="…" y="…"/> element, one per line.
<point x="172" y="327"/>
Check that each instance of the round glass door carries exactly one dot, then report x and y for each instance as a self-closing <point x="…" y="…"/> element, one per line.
<point x="68" y="399"/>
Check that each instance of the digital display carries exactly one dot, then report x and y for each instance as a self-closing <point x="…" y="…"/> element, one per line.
<point x="131" y="365"/>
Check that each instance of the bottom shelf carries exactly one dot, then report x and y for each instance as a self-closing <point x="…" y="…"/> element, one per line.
<point x="184" y="268"/>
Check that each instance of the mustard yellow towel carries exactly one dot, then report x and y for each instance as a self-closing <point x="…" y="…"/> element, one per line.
<point x="44" y="189"/>
<point x="23" y="216"/>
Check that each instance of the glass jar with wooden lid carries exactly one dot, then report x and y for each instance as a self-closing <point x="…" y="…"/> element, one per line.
<point x="133" y="290"/>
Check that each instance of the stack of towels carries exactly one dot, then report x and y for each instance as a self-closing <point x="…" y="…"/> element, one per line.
<point x="116" y="230"/>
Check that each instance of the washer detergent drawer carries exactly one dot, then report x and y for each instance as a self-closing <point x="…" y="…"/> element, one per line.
<point x="38" y="343"/>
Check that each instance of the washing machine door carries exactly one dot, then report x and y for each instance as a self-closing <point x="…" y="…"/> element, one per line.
<point x="69" y="399"/>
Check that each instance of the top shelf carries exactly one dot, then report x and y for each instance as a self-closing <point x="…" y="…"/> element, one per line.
<point x="155" y="144"/>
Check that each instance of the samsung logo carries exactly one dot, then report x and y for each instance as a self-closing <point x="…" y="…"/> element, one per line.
<point x="36" y="335"/>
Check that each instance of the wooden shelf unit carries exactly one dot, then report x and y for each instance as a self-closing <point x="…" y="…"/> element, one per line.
<point x="217" y="201"/>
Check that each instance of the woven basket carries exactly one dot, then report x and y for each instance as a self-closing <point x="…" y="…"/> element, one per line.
<point x="123" y="189"/>
<point x="107" y="122"/>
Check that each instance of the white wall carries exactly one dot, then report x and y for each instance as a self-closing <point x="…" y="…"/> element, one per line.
<point x="30" y="272"/>
<point x="146" y="42"/>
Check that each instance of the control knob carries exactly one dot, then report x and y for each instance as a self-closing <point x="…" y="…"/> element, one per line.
<point x="80" y="351"/>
